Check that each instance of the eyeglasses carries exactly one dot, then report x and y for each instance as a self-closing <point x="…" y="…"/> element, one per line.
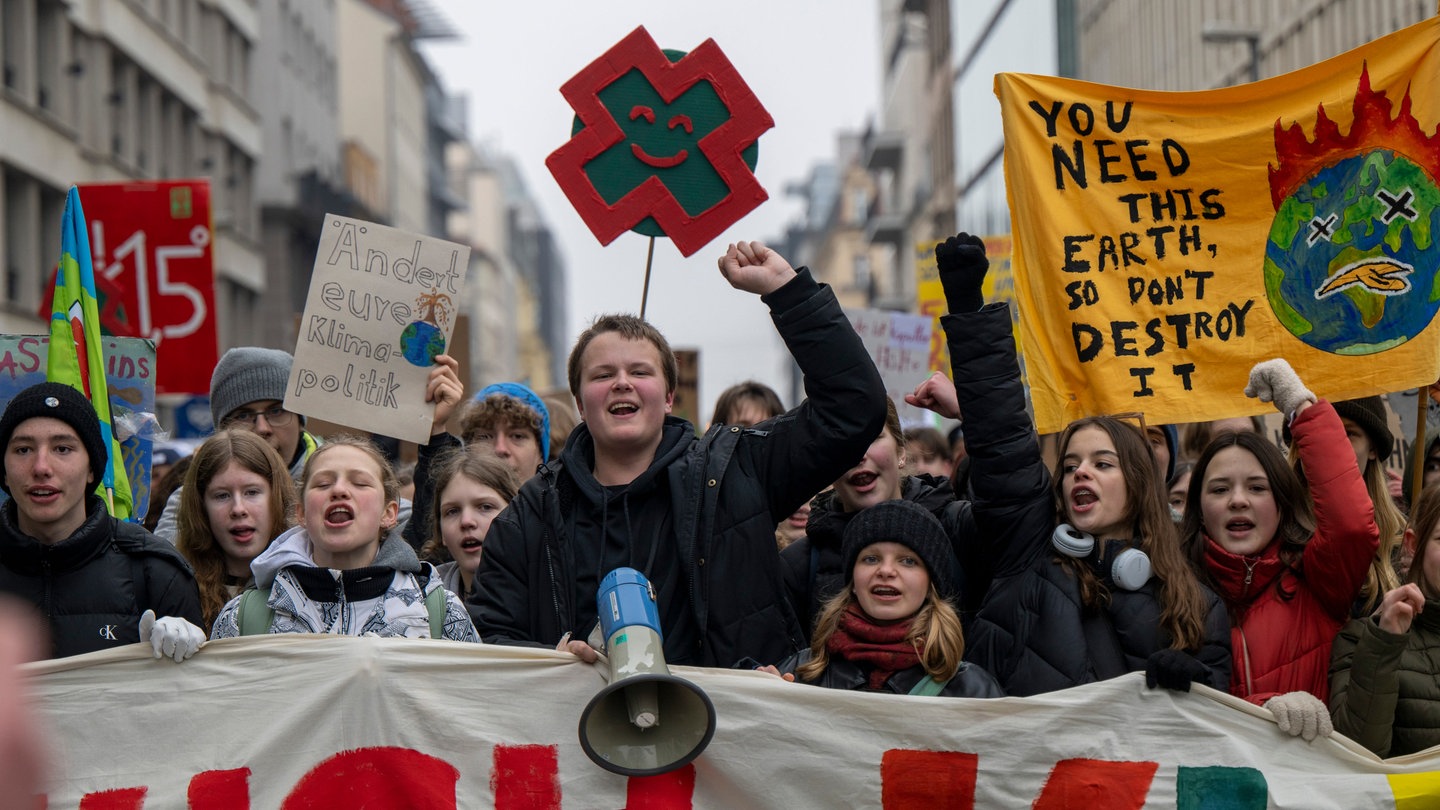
<point x="275" y="417"/>
<point x="1134" y="418"/>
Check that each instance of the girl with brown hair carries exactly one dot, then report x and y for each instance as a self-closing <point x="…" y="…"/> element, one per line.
<point x="238" y="496"/>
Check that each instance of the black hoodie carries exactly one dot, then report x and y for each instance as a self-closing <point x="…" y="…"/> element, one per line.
<point x="711" y="502"/>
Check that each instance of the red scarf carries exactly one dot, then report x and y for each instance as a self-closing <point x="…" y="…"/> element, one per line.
<point x="880" y="646"/>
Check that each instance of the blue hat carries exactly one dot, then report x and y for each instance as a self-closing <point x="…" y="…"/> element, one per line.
<point x="523" y="393"/>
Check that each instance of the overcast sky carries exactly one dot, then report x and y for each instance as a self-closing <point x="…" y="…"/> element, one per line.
<point x="813" y="64"/>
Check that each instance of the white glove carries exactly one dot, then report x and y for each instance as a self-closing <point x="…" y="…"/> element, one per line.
<point x="1301" y="714"/>
<point x="1275" y="381"/>
<point x="170" y="636"/>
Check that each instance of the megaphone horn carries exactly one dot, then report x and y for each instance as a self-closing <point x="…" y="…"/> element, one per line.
<point x="645" y="721"/>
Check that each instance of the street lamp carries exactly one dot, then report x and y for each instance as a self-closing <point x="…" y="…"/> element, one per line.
<point x="1223" y="32"/>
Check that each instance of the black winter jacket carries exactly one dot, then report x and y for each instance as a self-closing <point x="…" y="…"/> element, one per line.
<point x="814" y="567"/>
<point x="93" y="586"/>
<point x="1032" y="631"/>
<point x="969" y="681"/>
<point x="716" y="501"/>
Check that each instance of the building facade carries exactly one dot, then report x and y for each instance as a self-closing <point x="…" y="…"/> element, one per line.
<point x="106" y="91"/>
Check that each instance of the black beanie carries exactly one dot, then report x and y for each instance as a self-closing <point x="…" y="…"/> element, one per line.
<point x="57" y="401"/>
<point x="1369" y="414"/>
<point x="912" y="526"/>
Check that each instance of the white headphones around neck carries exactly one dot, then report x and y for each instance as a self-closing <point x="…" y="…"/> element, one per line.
<point x="1130" y="569"/>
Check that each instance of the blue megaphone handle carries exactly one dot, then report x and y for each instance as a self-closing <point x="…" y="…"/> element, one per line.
<point x="626" y="599"/>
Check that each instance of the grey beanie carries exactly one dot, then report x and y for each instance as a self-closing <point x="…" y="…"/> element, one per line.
<point x="248" y="374"/>
<point x="57" y="401"/>
<point x="910" y="525"/>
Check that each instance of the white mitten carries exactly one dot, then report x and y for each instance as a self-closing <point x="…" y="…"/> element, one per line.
<point x="170" y="636"/>
<point x="1301" y="714"/>
<point x="1275" y="381"/>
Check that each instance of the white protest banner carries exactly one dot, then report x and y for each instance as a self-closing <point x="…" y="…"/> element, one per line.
<point x="382" y="304"/>
<point x="326" y="722"/>
<point x="899" y="343"/>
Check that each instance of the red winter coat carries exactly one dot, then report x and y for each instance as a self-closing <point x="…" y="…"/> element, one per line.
<point x="1283" y="645"/>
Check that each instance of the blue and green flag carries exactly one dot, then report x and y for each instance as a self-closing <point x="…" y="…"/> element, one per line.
<point x="76" y="358"/>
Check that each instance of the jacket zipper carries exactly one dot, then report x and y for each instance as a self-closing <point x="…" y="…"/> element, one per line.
<point x="547" y="539"/>
<point x="344" y="607"/>
<point x="1244" y="643"/>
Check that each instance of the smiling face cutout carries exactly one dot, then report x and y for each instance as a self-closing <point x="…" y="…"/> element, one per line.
<point x="661" y="140"/>
<point x="663" y="143"/>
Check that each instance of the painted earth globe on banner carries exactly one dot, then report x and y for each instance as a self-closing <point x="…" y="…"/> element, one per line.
<point x="421" y="342"/>
<point x="1351" y="262"/>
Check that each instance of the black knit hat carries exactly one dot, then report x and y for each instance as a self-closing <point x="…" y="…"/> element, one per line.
<point x="57" y="401"/>
<point x="912" y="526"/>
<point x="1369" y="414"/>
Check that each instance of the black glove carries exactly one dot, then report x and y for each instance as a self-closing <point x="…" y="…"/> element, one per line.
<point x="1174" y="669"/>
<point x="962" y="265"/>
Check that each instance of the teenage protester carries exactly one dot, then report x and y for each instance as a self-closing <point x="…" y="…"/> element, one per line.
<point x="563" y="418"/>
<point x="247" y="392"/>
<point x="1289" y="575"/>
<point x="928" y="452"/>
<point x="1178" y="487"/>
<point x="99" y="582"/>
<point x="1431" y="475"/>
<point x="238" y="498"/>
<point x="1384" y="671"/>
<point x="893" y="627"/>
<point x="746" y="404"/>
<point x="472" y="487"/>
<point x="1089" y="581"/>
<point x="506" y="419"/>
<point x="1199" y="434"/>
<point x="696" y="515"/>
<point x="813" y="565"/>
<point x="343" y="570"/>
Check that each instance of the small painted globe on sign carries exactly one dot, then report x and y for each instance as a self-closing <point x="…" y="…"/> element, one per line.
<point x="1351" y="262"/>
<point x="421" y="342"/>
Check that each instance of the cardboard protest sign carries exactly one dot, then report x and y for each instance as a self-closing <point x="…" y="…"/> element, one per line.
<point x="664" y="143"/>
<point x="152" y="247"/>
<point x="130" y="371"/>
<point x="381" y="306"/>
<point x="1166" y="242"/>
<point x="325" y="722"/>
<point x="899" y="343"/>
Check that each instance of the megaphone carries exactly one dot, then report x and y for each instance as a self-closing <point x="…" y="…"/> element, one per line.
<point x="645" y="721"/>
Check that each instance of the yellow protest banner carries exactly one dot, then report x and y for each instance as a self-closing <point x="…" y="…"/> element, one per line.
<point x="1166" y="242"/>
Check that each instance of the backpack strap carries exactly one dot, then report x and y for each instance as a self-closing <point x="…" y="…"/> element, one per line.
<point x="435" y="605"/>
<point x="927" y="687"/>
<point x="254" y="616"/>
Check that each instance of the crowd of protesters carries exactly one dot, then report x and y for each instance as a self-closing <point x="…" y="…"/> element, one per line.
<point x="823" y="544"/>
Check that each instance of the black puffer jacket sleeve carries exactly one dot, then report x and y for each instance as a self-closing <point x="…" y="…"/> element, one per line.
<point x="844" y="411"/>
<point x="1013" y="508"/>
